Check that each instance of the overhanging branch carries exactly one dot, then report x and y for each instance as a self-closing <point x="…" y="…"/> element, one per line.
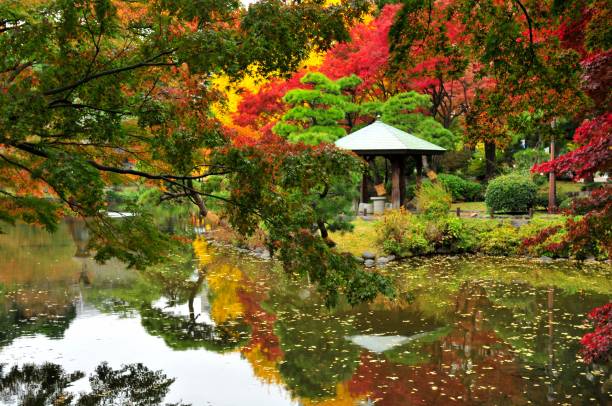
<point x="148" y="62"/>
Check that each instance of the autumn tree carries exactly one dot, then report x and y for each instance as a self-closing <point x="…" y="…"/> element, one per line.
<point x="508" y="44"/>
<point x="108" y="92"/>
<point x="583" y="29"/>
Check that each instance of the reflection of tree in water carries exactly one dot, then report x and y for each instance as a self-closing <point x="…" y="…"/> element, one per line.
<point x="37" y="385"/>
<point x="181" y="333"/>
<point x="503" y="346"/>
<point x="317" y="356"/>
<point x="46" y="384"/>
<point x="20" y="316"/>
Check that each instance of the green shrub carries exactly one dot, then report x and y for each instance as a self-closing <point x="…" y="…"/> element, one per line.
<point x="433" y="200"/>
<point x="538" y="179"/>
<point x="511" y="193"/>
<point x="406" y="235"/>
<point x="450" y="235"/>
<point x="566" y="203"/>
<point x="503" y="240"/>
<point x="461" y="189"/>
<point x="403" y="234"/>
<point x="541" y="199"/>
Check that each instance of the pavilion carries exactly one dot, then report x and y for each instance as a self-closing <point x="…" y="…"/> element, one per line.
<point x="380" y="139"/>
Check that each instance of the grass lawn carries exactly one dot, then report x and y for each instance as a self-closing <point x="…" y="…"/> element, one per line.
<point x="363" y="238"/>
<point x="470" y="206"/>
<point x="563" y="186"/>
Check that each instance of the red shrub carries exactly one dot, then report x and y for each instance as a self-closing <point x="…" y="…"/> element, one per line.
<point x="597" y="346"/>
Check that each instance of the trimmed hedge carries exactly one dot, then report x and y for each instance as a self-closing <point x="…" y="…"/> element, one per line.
<point x="462" y="190"/>
<point x="511" y="194"/>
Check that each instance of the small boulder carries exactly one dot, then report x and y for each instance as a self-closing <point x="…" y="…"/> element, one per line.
<point x="391" y="257"/>
<point x="546" y="260"/>
<point x="382" y="261"/>
<point x="516" y="223"/>
<point x="368" y="255"/>
<point x="369" y="263"/>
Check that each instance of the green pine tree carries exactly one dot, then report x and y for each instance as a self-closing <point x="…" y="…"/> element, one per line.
<point x="317" y="114"/>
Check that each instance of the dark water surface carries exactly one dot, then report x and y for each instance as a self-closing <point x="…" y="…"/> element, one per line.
<point x="230" y="330"/>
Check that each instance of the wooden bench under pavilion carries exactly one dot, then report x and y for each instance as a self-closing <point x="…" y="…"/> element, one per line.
<point x="380" y="139"/>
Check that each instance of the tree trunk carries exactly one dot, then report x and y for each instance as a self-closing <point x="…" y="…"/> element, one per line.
<point x="489" y="159"/>
<point x="325" y="234"/>
<point x="552" y="181"/>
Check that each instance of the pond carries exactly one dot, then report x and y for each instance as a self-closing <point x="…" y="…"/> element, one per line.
<point x="226" y="329"/>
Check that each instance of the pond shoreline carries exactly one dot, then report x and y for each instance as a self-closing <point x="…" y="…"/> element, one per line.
<point x="371" y="260"/>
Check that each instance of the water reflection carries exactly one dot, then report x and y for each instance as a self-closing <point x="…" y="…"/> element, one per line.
<point x="49" y="384"/>
<point x="470" y="331"/>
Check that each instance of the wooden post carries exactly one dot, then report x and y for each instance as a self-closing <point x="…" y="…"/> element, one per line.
<point x="403" y="178"/>
<point x="458" y="211"/>
<point x="364" y="188"/>
<point x="397" y="174"/>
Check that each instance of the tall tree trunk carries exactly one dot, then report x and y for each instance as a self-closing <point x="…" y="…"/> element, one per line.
<point x="489" y="159"/>
<point x="552" y="181"/>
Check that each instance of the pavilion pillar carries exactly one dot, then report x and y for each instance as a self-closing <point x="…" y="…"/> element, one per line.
<point x="397" y="181"/>
<point x="419" y="169"/>
<point x="364" y="187"/>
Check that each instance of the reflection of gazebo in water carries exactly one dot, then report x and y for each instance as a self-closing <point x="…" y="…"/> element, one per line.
<point x="380" y="139"/>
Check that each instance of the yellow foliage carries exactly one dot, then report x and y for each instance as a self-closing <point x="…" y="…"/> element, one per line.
<point x="224" y="282"/>
<point x="202" y="251"/>
<point x="263" y="368"/>
<point x="224" y="111"/>
<point x="251" y="82"/>
<point x="343" y="398"/>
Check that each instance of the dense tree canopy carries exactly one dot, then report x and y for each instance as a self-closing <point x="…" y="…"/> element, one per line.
<point x="101" y="93"/>
<point x="94" y="89"/>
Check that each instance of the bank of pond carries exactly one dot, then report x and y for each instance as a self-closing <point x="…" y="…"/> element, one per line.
<point x="225" y="328"/>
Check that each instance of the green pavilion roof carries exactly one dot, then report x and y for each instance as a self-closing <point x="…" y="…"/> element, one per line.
<point x="379" y="138"/>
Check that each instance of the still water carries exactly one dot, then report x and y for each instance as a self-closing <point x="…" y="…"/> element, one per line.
<point x="225" y="329"/>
